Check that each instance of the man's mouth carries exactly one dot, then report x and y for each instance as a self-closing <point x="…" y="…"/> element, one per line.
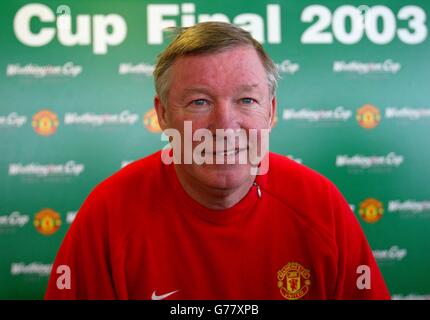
<point x="225" y="153"/>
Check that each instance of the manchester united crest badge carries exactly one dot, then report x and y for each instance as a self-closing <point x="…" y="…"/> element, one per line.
<point x="294" y="281"/>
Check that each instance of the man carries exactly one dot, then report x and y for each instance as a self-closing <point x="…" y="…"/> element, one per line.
<point x="215" y="230"/>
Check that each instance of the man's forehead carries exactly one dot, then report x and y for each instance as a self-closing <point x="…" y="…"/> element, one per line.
<point x="238" y="69"/>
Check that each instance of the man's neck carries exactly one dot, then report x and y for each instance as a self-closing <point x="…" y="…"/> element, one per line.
<point x="213" y="198"/>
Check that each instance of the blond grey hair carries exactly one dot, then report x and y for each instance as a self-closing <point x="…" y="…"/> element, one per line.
<point x="205" y="38"/>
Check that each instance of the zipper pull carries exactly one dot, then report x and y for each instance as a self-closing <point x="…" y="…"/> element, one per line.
<point x="255" y="184"/>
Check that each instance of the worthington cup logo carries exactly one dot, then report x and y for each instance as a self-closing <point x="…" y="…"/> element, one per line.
<point x="392" y="254"/>
<point x="294" y="281"/>
<point x="45" y="123"/>
<point x="13" y="119"/>
<point x="412" y="206"/>
<point x="390" y="160"/>
<point x="15" y="219"/>
<point x="70" y="168"/>
<point x="150" y="121"/>
<point x="387" y="66"/>
<point x="337" y="114"/>
<point x="407" y="113"/>
<point x="47" y="221"/>
<point x="140" y="68"/>
<point x="33" y="268"/>
<point x="41" y="71"/>
<point x="125" y="117"/>
<point x="371" y="210"/>
<point x="368" y="116"/>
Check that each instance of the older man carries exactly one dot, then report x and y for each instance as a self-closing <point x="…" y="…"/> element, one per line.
<point x="215" y="229"/>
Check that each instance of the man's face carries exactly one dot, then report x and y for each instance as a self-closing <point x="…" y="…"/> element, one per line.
<point x="226" y="90"/>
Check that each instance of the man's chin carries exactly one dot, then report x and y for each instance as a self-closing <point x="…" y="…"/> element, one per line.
<point x="223" y="176"/>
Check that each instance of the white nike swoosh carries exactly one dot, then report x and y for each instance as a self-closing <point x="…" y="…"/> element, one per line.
<point x="163" y="296"/>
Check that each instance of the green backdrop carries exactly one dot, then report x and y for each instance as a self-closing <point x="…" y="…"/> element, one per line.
<point x="76" y="95"/>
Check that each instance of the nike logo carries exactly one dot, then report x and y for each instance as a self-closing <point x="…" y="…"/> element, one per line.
<point x="163" y="296"/>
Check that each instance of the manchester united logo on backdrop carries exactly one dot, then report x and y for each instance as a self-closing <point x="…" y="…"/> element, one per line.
<point x="371" y="210"/>
<point x="47" y="221"/>
<point x="150" y="121"/>
<point x="368" y="116"/>
<point x="294" y="281"/>
<point x="45" y="123"/>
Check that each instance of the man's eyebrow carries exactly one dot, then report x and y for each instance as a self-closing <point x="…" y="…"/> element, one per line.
<point x="196" y="89"/>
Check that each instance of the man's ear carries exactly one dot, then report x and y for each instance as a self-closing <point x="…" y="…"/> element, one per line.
<point x="161" y="113"/>
<point x="272" y="118"/>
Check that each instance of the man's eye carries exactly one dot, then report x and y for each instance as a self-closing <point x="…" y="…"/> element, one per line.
<point x="247" y="101"/>
<point x="199" y="102"/>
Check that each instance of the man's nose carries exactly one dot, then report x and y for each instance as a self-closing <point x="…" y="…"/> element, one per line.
<point x="224" y="116"/>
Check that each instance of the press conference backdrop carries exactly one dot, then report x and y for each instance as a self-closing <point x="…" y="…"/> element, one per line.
<point x="76" y="105"/>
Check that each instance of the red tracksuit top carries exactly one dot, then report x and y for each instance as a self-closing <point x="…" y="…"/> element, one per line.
<point x="139" y="235"/>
